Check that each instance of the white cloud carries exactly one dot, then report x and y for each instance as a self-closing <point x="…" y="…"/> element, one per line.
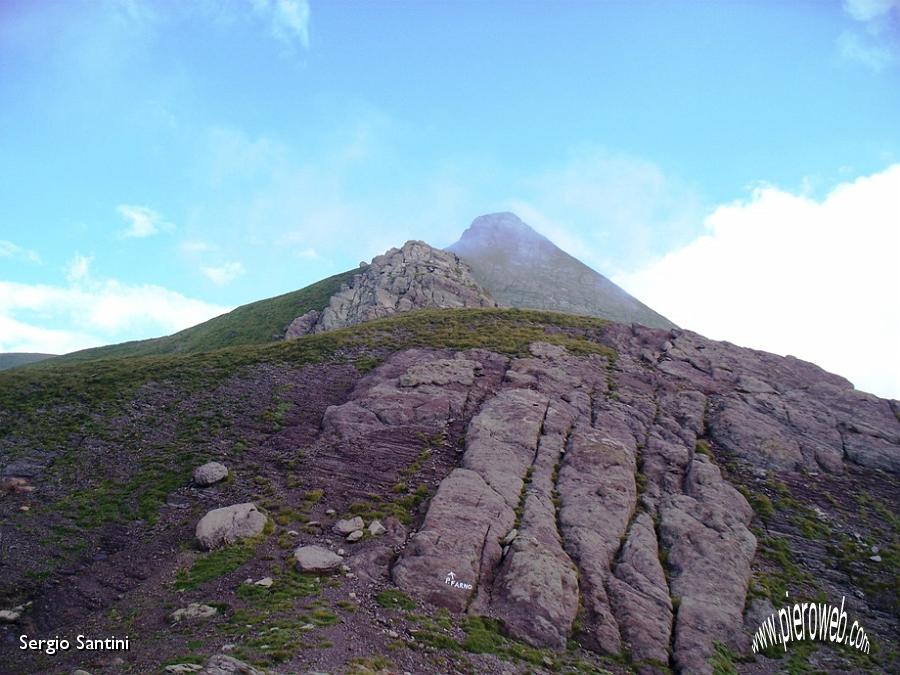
<point x="78" y="268"/>
<point x="874" y="40"/>
<point x="309" y="253"/>
<point x="288" y="19"/>
<point x="59" y="319"/>
<point x="142" y="221"/>
<point x="10" y="250"/>
<point x="792" y="275"/>
<point x="224" y="273"/>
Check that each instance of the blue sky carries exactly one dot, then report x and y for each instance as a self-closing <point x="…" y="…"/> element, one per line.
<point x="161" y="162"/>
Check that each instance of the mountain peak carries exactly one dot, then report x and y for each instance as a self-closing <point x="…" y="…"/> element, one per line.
<point x="501" y="224"/>
<point x="521" y="268"/>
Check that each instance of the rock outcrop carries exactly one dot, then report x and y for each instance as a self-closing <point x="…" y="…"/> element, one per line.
<point x="192" y="612"/>
<point x="582" y="504"/>
<point x="415" y="276"/>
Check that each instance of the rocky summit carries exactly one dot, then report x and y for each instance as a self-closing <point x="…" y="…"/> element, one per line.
<point x="415" y="276"/>
<point x="521" y="268"/>
<point x="463" y="488"/>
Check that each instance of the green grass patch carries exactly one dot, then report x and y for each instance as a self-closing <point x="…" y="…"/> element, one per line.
<point x="722" y="660"/>
<point x="215" y="564"/>
<point x="281" y="595"/>
<point x="484" y="636"/>
<point x="394" y="599"/>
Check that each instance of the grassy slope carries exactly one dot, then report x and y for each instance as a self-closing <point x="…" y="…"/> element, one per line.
<point x="15" y="359"/>
<point x="256" y="323"/>
<point x="96" y="380"/>
<point x="55" y="407"/>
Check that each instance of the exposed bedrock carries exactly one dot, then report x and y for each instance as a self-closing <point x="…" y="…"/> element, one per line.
<point x="460" y="536"/>
<point x="597" y="494"/>
<point x="415" y="276"/>
<point x="578" y="497"/>
<point x="640" y="594"/>
<point x="501" y="440"/>
<point x="710" y="550"/>
<point x="536" y="588"/>
<point x="779" y="413"/>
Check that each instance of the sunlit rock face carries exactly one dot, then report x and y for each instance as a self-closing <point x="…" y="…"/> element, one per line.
<point x="415" y="276"/>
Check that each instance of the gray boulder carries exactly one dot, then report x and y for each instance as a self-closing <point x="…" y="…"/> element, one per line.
<point x="317" y="559"/>
<point x="209" y="473"/>
<point x="349" y="526"/>
<point x="229" y="524"/>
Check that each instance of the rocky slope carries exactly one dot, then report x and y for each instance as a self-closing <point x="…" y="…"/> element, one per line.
<point x="521" y="268"/>
<point x="472" y="490"/>
<point x="415" y="276"/>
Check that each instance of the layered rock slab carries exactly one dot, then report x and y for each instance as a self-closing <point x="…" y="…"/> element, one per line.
<point x="442" y="562"/>
<point x="536" y="588"/>
<point x="640" y="594"/>
<point x="598" y="494"/>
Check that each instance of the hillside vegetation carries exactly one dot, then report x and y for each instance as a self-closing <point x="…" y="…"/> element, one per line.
<point x="255" y="323"/>
<point x="16" y="359"/>
<point x="113" y="373"/>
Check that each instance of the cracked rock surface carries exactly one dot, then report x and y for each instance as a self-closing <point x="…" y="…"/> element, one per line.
<point x="415" y="276"/>
<point x="583" y="504"/>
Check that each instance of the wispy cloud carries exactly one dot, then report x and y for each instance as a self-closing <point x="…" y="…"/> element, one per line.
<point x="599" y="202"/>
<point x="794" y="275"/>
<point x="288" y="19"/>
<point x="10" y="250"/>
<point x="142" y="221"/>
<point x="78" y="268"/>
<point x="224" y="273"/>
<point x="875" y="41"/>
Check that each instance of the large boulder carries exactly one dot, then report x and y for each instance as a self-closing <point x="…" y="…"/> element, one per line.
<point x="316" y="559"/>
<point x="209" y="473"/>
<point x="229" y="524"/>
